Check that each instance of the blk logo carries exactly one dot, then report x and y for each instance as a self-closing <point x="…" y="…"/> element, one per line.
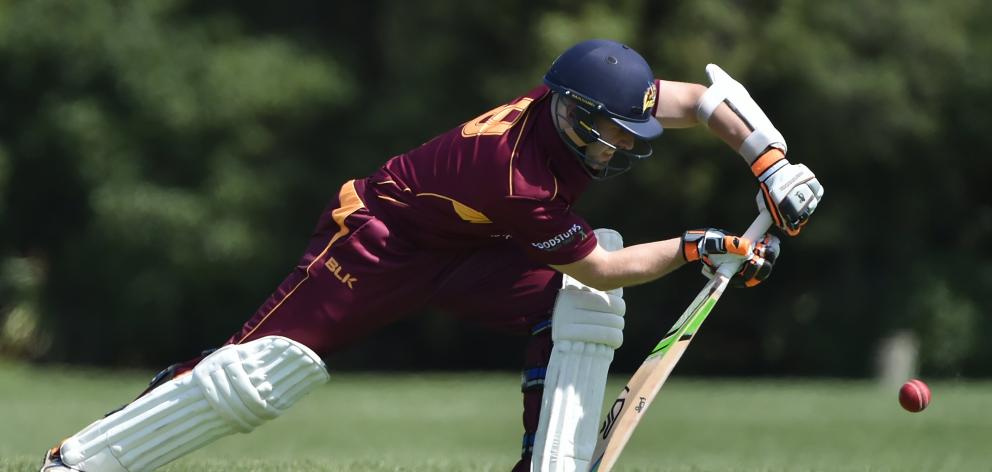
<point x="335" y="268"/>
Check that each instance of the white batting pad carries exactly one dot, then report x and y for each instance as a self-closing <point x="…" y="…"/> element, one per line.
<point x="234" y="389"/>
<point x="587" y="326"/>
<point x="725" y="88"/>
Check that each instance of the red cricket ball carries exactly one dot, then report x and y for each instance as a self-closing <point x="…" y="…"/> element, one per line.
<point x="914" y="395"/>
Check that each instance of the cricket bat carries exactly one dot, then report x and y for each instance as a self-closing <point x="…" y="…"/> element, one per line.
<point x="637" y="395"/>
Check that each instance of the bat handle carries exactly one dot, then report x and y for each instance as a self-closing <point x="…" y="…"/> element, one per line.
<point x="754" y="232"/>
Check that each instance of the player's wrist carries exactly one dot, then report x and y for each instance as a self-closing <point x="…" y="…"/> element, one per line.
<point x="768" y="162"/>
<point x="690" y="244"/>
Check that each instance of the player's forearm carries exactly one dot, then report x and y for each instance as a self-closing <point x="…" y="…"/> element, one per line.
<point x="677" y="105"/>
<point x="629" y="266"/>
<point x="728" y="126"/>
<point x="643" y="263"/>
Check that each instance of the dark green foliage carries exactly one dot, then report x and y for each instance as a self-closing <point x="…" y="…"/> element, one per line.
<point x="162" y="162"/>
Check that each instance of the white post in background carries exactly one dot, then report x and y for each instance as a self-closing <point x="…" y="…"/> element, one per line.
<point x="897" y="358"/>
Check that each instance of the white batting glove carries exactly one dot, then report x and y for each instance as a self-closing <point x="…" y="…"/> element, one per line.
<point x="790" y="192"/>
<point x="715" y="247"/>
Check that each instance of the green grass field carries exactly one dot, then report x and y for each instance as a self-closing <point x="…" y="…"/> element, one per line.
<point x="470" y="422"/>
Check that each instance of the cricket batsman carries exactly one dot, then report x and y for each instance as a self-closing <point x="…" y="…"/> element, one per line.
<point x="479" y="223"/>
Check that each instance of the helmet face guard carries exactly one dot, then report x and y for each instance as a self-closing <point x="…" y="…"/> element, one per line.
<point x="580" y="125"/>
<point x="604" y="79"/>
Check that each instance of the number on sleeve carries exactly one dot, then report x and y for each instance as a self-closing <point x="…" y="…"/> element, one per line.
<point x="496" y="121"/>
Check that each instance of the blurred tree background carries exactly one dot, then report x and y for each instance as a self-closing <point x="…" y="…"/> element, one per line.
<point x="162" y="163"/>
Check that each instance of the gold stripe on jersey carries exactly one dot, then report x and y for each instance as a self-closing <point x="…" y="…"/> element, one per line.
<point x="513" y="153"/>
<point x="405" y="189"/>
<point x="463" y="211"/>
<point x="349" y="203"/>
<point x="556" y="182"/>
<point x="392" y="200"/>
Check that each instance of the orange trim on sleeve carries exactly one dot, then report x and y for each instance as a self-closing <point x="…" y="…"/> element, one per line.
<point x="766" y="160"/>
<point x="349" y="202"/>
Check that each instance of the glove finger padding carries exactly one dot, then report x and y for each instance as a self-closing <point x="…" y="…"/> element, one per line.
<point x="753" y="272"/>
<point x="768" y="247"/>
<point x="790" y="192"/>
<point x="759" y="266"/>
<point x="714" y="246"/>
<point x="796" y="204"/>
<point x="756" y="267"/>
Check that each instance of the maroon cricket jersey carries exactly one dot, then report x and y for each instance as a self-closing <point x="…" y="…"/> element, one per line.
<point x="504" y="175"/>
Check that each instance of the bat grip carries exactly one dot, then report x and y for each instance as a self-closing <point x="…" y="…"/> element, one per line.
<point x="754" y="232"/>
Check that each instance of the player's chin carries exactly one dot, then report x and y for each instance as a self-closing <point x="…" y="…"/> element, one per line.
<point x="599" y="163"/>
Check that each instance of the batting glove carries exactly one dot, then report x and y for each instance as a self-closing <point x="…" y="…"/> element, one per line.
<point x="789" y="191"/>
<point x="715" y="247"/>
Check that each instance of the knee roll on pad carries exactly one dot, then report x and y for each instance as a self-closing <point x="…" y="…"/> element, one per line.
<point x="251" y="383"/>
<point x="234" y="389"/>
<point x="587" y="316"/>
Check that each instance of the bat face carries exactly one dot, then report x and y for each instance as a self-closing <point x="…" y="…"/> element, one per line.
<point x="640" y="391"/>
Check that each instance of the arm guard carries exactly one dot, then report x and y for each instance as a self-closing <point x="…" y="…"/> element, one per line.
<point x="726" y="89"/>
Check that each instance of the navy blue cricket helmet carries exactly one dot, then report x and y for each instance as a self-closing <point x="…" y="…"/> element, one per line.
<point x="608" y="79"/>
